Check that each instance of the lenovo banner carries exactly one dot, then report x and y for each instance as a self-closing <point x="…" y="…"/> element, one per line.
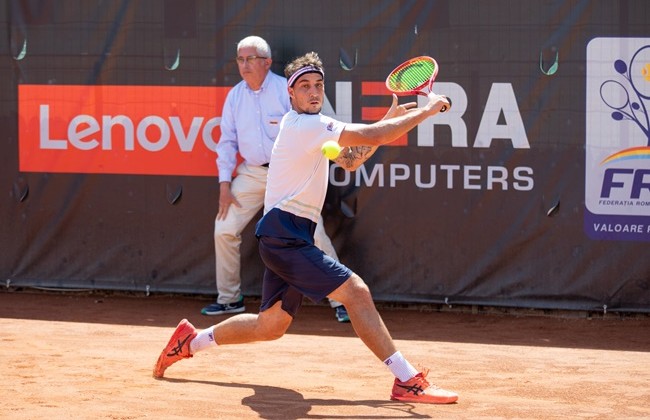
<point x="147" y="130"/>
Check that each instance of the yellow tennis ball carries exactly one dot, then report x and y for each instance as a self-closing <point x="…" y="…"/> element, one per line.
<point x="331" y="149"/>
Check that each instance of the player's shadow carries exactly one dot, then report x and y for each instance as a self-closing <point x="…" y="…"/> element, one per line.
<point x="275" y="403"/>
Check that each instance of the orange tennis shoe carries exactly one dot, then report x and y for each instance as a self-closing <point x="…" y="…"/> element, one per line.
<point x="178" y="348"/>
<point x="419" y="390"/>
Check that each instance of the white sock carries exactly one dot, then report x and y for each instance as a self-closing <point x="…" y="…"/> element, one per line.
<point x="400" y="367"/>
<point x="203" y="340"/>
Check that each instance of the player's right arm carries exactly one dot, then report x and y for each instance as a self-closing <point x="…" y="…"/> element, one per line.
<point x="390" y="129"/>
<point x="360" y="141"/>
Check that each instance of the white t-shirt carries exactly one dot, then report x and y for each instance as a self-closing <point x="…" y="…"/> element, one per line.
<point x="298" y="172"/>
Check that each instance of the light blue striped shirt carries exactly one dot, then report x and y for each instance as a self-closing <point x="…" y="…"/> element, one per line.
<point x="250" y="123"/>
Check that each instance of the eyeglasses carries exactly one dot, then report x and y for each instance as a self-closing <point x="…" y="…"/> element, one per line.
<point x="249" y="59"/>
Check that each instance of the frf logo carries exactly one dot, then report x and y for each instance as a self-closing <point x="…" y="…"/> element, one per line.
<point x="149" y="130"/>
<point x="617" y="181"/>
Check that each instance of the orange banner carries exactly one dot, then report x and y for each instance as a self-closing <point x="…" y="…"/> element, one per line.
<point x="149" y="130"/>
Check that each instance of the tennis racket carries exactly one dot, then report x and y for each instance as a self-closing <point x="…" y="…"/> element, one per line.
<point x="414" y="77"/>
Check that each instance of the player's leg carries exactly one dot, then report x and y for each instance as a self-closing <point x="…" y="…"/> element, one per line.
<point x="280" y="302"/>
<point x="409" y="385"/>
<point x="279" y="305"/>
<point x="248" y="188"/>
<point x="301" y="269"/>
<point x="366" y="321"/>
<point x="243" y="328"/>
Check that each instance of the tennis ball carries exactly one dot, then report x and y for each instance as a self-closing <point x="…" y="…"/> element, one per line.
<point x="331" y="149"/>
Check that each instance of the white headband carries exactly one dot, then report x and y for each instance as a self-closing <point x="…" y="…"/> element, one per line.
<point x="303" y="70"/>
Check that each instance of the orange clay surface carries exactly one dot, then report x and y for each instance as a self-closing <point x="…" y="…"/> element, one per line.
<point x="90" y="356"/>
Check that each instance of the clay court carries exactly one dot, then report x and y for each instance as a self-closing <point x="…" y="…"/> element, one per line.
<point x="90" y="356"/>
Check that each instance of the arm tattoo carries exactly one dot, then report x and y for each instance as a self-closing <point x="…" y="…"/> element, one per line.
<point x="352" y="157"/>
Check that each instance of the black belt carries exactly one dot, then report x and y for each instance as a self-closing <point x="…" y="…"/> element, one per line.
<point x="266" y="165"/>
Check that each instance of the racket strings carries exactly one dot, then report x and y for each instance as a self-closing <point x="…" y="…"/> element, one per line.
<point x="411" y="76"/>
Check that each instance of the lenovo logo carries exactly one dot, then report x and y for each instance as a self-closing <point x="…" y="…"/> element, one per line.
<point x="152" y="130"/>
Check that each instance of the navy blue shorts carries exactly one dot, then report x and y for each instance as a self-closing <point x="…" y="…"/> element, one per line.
<point x="296" y="268"/>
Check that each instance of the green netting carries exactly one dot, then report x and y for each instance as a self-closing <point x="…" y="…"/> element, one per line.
<point x="411" y="76"/>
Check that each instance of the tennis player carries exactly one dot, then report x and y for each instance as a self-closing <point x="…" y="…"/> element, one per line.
<point x="295" y="267"/>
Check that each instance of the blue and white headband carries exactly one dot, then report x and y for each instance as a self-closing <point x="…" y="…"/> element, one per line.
<point x="304" y="70"/>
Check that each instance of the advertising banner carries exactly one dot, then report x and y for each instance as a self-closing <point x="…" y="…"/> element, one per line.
<point x="532" y="191"/>
<point x="147" y="130"/>
<point x="617" y="178"/>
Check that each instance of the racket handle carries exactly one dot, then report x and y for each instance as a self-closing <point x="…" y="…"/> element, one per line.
<point x="445" y="107"/>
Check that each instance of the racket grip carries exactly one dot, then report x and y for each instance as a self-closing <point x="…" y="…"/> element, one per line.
<point x="445" y="107"/>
